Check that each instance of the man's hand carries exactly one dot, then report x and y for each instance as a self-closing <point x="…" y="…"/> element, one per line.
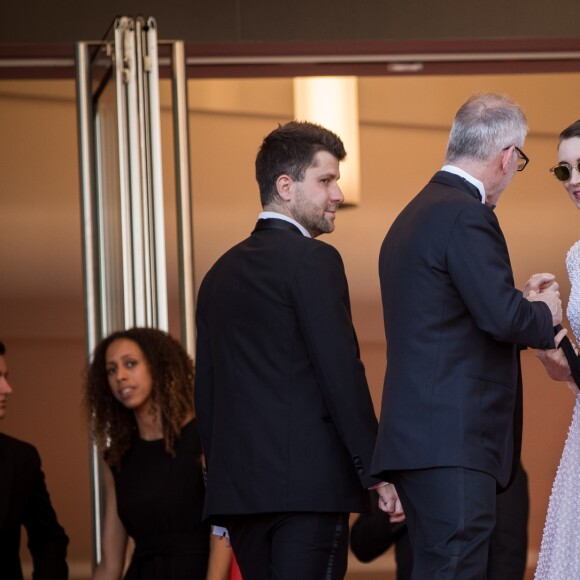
<point x="552" y="299"/>
<point x="541" y="282"/>
<point x="554" y="360"/>
<point x="389" y="502"/>
<point x="544" y="288"/>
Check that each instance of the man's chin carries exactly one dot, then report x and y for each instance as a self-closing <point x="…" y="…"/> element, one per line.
<point x="328" y="229"/>
<point x="330" y="225"/>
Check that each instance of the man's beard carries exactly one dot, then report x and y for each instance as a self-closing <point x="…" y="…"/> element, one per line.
<point x="312" y="217"/>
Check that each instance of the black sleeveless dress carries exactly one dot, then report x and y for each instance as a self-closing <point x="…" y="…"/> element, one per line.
<point x="159" y="501"/>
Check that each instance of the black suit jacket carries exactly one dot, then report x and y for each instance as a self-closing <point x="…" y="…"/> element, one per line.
<point x="452" y="320"/>
<point x="24" y="501"/>
<point x="285" y="415"/>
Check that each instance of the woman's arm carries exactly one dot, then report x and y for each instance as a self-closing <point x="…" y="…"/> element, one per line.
<point x="220" y="559"/>
<point x="114" y="540"/>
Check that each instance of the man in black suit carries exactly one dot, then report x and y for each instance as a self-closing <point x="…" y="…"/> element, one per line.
<point x="282" y="403"/>
<point x="24" y="501"/>
<point x="450" y="428"/>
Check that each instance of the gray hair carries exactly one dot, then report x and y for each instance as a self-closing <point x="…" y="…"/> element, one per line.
<point x="484" y="125"/>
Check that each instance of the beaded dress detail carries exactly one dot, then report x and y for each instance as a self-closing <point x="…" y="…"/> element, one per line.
<point x="560" y="551"/>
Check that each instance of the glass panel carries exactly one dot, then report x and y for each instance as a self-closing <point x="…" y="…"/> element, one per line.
<point x="110" y="236"/>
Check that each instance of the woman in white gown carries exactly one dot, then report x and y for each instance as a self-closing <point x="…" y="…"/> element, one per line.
<point x="560" y="550"/>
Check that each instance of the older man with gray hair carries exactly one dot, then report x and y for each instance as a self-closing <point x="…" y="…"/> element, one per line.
<point x="450" y="429"/>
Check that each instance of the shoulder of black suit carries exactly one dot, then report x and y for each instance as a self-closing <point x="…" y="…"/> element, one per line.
<point x="472" y="189"/>
<point x="456" y="180"/>
<point x="275" y="224"/>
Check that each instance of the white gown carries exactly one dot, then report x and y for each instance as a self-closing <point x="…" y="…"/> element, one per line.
<point x="560" y="550"/>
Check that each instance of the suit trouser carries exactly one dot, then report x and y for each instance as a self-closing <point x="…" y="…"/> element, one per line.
<point x="290" y="546"/>
<point x="450" y="516"/>
<point x="509" y="541"/>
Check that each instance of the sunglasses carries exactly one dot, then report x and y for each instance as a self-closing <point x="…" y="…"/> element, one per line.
<point x="563" y="172"/>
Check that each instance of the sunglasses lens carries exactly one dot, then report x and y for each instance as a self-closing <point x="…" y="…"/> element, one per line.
<point x="562" y="172"/>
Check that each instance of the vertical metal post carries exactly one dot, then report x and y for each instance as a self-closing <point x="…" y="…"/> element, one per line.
<point x="142" y="206"/>
<point x="183" y="194"/>
<point x="155" y="175"/>
<point x="125" y="73"/>
<point x="90" y="258"/>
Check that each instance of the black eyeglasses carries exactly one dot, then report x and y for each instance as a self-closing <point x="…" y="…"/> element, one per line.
<point x="563" y="172"/>
<point x="522" y="157"/>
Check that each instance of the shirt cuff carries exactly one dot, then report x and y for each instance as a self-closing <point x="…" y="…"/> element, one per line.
<point x="380" y="484"/>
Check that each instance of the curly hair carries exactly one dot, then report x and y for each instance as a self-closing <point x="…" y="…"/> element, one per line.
<point x="112" y="425"/>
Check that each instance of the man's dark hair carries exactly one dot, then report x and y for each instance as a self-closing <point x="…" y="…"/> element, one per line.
<point x="290" y="150"/>
<point x="2" y="348"/>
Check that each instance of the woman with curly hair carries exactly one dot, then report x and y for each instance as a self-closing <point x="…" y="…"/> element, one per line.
<point x="139" y="401"/>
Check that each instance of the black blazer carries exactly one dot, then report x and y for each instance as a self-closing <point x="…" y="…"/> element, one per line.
<point x="452" y="320"/>
<point x="24" y="501"/>
<point x="285" y="415"/>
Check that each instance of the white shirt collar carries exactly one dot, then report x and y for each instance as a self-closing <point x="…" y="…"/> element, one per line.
<point x="457" y="171"/>
<point x="265" y="215"/>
